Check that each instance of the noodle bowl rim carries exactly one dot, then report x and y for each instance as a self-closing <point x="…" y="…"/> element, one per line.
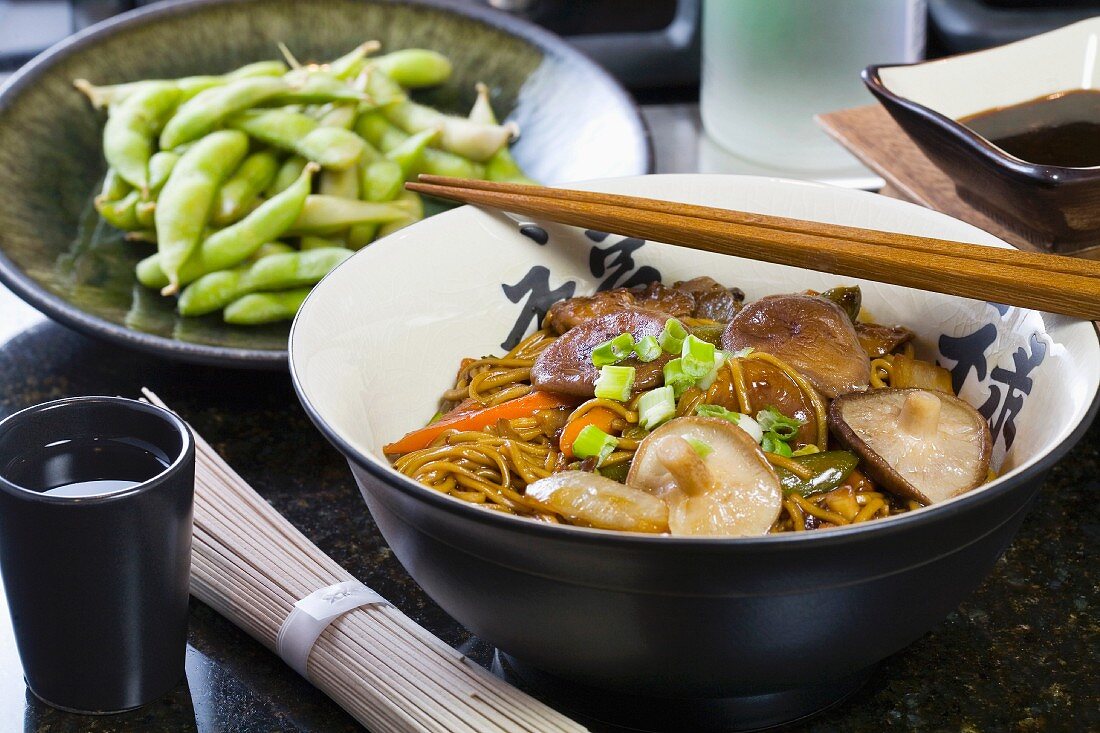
<point x="381" y="470"/>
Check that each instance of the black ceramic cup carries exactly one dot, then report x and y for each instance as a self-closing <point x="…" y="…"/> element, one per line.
<point x="97" y="585"/>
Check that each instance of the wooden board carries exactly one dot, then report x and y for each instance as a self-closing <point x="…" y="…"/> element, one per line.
<point x="871" y="135"/>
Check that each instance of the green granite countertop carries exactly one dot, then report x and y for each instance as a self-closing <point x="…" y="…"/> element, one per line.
<point x="1020" y="655"/>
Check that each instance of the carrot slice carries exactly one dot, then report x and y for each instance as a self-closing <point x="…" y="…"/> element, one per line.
<point x="601" y="417"/>
<point x="479" y="419"/>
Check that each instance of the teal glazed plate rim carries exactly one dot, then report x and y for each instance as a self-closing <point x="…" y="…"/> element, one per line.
<point x="214" y="343"/>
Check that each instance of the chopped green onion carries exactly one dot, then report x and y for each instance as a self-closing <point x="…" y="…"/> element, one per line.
<point x="672" y="336"/>
<point x="775" y="421"/>
<point x="435" y="418"/>
<point x="647" y="349"/>
<point x="709" y="377"/>
<point x="675" y="377"/>
<point x="773" y="443"/>
<point x="615" y="383"/>
<point x="741" y="420"/>
<point x="806" y="450"/>
<point x="698" y="356"/>
<point x="742" y="353"/>
<point x="656" y="406"/>
<point x="592" y="442"/>
<point x="613" y="351"/>
<point x="701" y="448"/>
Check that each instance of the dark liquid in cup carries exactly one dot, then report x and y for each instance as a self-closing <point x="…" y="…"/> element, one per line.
<point x="1062" y="129"/>
<point x="86" y="467"/>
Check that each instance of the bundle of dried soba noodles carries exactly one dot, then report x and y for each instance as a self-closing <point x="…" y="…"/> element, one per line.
<point x="251" y="565"/>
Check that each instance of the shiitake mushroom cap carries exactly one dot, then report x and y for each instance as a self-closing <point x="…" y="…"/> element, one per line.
<point x="734" y="490"/>
<point x="565" y="366"/>
<point x="907" y="449"/>
<point x="808" y="332"/>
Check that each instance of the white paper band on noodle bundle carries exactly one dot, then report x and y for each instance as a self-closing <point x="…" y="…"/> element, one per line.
<point x="312" y="615"/>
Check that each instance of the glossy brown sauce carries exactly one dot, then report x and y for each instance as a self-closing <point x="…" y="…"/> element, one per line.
<point x="1062" y="129"/>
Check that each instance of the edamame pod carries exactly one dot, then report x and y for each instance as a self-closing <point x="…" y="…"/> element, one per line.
<point x="331" y="147"/>
<point x="192" y="85"/>
<point x="457" y="134"/>
<point x="188" y="195"/>
<point x="293" y="269"/>
<point x="482" y="111"/>
<point x="351" y="63"/>
<point x="211" y="292"/>
<point x="288" y="173"/>
<point x="114" y="187"/>
<point x="189" y="86"/>
<point x="416" y="213"/>
<point x="242" y="189"/>
<point x="328" y="214"/>
<point x="215" y="290"/>
<point x="378" y="131"/>
<point x="236" y="243"/>
<point x="271" y="248"/>
<point x="160" y="167"/>
<point x="379" y="181"/>
<point x="257" y="68"/>
<point x="129" y="137"/>
<point x="276" y="272"/>
<point x="309" y="86"/>
<point x="257" y="308"/>
<point x="309" y="242"/>
<point x="382" y="180"/>
<point x="338" y="115"/>
<point x="120" y="213"/>
<point x="203" y="112"/>
<point x="410" y="152"/>
<point x="343" y="183"/>
<point x="415" y="67"/>
<point x="502" y="166"/>
<point x="145" y="211"/>
<point x="149" y="272"/>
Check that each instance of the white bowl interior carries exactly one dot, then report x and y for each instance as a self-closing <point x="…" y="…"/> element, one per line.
<point x="1062" y="60"/>
<point x="382" y="336"/>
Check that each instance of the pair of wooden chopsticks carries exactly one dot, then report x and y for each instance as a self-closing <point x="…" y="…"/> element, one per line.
<point x="1027" y="279"/>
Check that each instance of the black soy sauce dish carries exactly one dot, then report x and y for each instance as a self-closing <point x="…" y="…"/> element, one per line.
<point x="95" y="543"/>
<point x="674" y="633"/>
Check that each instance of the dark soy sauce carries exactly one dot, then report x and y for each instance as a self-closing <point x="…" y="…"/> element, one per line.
<point x="1062" y="129"/>
<point x="85" y="467"/>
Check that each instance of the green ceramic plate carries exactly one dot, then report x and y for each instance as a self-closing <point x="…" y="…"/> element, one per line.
<point x="55" y="252"/>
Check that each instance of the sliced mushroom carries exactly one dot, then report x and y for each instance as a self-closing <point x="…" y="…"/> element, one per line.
<point x="565" y="366"/>
<point x="769" y="386"/>
<point x="879" y="340"/>
<point x="701" y="297"/>
<point x="712" y="299"/>
<point x="813" y="335"/>
<point x="572" y="312"/>
<point x="592" y="500"/>
<point x="916" y="443"/>
<point x="766" y="385"/>
<point x="657" y="296"/>
<point x="731" y="491"/>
